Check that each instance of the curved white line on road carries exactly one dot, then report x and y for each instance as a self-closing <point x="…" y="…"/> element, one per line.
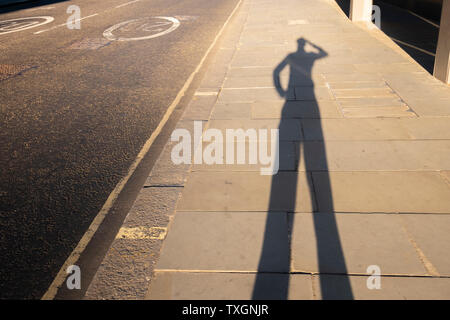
<point x="47" y="19"/>
<point x="110" y="36"/>
<point x="65" y="24"/>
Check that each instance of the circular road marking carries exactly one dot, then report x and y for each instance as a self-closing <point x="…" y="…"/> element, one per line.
<point x="146" y="28"/>
<point x="19" y="24"/>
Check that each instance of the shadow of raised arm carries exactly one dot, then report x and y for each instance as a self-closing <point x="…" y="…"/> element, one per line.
<point x="321" y="53"/>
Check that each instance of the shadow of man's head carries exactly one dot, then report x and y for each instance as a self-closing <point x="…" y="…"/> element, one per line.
<point x="300" y="64"/>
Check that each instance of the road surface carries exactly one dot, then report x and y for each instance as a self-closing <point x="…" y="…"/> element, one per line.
<point x="76" y="107"/>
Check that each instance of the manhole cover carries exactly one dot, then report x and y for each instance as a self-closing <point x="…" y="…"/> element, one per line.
<point x="14" y="25"/>
<point x="141" y="29"/>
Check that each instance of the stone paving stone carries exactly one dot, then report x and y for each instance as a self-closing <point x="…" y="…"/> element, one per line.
<point x="389" y="67"/>
<point x="428" y="128"/>
<point x="431" y="233"/>
<point x="364" y="239"/>
<point x="252" y="94"/>
<point x="355" y="76"/>
<point x="165" y="172"/>
<point x="445" y="175"/>
<point x="231" y="111"/>
<point x="153" y="207"/>
<point x="199" y="108"/>
<point x="391" y="101"/>
<point x="225" y="241"/>
<point x="125" y="271"/>
<point x="416" y="88"/>
<point x="355" y="129"/>
<point x="250" y="72"/>
<point x="377" y="129"/>
<point x="392" y="288"/>
<point x="430" y="108"/>
<point x="288" y="157"/>
<point x="313" y="93"/>
<point x="372" y="155"/>
<point x="357" y="85"/>
<point x="289" y="130"/>
<point x="295" y="109"/>
<point x="421" y="192"/>
<point x="235" y="286"/>
<point x="378" y="112"/>
<point x="246" y="191"/>
<point x="333" y="68"/>
<point x="364" y="93"/>
<point x="248" y="82"/>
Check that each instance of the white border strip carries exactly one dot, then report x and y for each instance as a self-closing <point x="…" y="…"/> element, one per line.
<point x="76" y="253"/>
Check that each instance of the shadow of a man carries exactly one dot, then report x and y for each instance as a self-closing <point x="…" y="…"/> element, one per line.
<point x="284" y="190"/>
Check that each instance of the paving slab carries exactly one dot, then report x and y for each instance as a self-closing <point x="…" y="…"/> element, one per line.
<point x="313" y="93"/>
<point x="233" y="286"/>
<point x="288" y="156"/>
<point x="392" y="288"/>
<point x="401" y="191"/>
<point x="377" y="129"/>
<point x="364" y="239"/>
<point x="199" y="108"/>
<point x="252" y="94"/>
<point x="289" y="129"/>
<point x="379" y="112"/>
<point x="295" y="109"/>
<point x="391" y="101"/>
<point x="231" y="111"/>
<point x="247" y="191"/>
<point x="226" y="241"/>
<point x="355" y="129"/>
<point x="403" y="155"/>
<point x="430" y="108"/>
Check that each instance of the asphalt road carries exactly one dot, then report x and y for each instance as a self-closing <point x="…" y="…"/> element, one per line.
<point x="75" y="110"/>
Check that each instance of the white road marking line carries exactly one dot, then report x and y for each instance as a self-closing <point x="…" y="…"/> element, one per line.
<point x="110" y="36"/>
<point x="82" y="244"/>
<point x="65" y="24"/>
<point x="125" y="4"/>
<point x="47" y="19"/>
<point x="424" y="19"/>
<point x="414" y="47"/>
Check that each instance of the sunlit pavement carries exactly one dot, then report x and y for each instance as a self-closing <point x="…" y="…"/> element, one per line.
<point x="362" y="190"/>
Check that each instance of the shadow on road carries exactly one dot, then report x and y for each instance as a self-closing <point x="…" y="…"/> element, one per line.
<point x="10" y="6"/>
<point x="284" y="191"/>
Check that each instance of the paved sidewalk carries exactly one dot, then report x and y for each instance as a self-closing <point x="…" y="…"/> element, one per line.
<point x="364" y="174"/>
